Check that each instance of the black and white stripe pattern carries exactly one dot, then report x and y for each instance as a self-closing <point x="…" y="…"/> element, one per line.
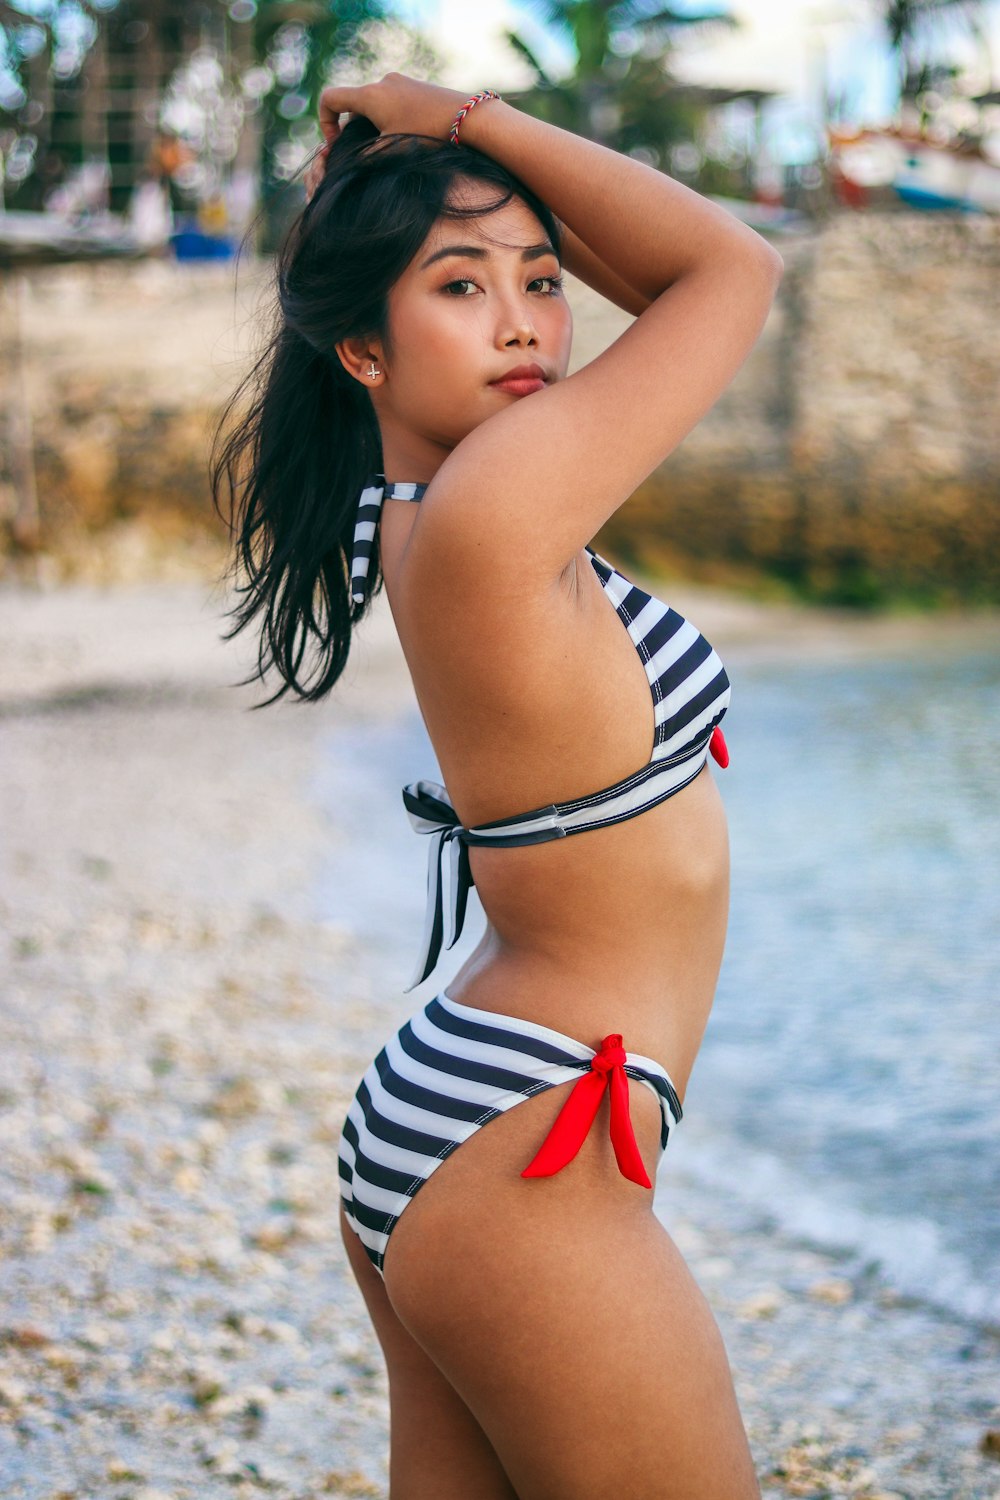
<point x="446" y="1072"/>
<point x="690" y="690"/>
<point x="366" y="523"/>
<point x="689" y="684"/>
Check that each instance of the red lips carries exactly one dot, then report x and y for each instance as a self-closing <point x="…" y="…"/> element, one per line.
<point x="522" y="372"/>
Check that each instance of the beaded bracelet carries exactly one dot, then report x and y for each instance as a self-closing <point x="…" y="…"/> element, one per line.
<point x="469" y="104"/>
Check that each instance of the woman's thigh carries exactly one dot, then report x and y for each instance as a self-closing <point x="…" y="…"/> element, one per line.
<point x="563" y="1315"/>
<point x="437" y="1449"/>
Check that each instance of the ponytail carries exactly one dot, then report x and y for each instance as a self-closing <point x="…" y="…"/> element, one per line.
<point x="307" y="443"/>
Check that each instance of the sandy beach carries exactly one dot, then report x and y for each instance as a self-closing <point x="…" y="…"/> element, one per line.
<point x="180" y="1038"/>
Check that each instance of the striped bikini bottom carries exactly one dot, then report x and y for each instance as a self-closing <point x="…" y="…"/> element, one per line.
<point x="452" y="1068"/>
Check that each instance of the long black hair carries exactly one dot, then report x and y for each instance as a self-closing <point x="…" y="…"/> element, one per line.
<point x="294" y="464"/>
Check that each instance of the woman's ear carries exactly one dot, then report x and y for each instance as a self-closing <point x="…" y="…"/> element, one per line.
<point x="362" y="358"/>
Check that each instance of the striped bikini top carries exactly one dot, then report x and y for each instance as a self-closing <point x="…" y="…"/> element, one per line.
<point x="690" y="692"/>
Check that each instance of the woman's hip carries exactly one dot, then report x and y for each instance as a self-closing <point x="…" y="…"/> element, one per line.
<point x="593" y="1122"/>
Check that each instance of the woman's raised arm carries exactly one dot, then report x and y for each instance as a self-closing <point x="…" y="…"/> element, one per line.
<point x="644" y="226"/>
<point x="701" y="283"/>
<point x="581" y="262"/>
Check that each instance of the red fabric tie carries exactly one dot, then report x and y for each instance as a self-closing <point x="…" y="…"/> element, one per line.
<point x="571" y="1124"/>
<point x="717" y="745"/>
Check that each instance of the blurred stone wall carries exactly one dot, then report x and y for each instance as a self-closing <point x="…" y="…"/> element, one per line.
<point x="124" y="367"/>
<point x="855" y="455"/>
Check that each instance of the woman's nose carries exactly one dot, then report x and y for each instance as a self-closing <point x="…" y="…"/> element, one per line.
<point x="524" y="332"/>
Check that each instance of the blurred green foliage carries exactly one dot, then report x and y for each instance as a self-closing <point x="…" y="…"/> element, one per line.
<point x="621" y="91"/>
<point x="296" y="41"/>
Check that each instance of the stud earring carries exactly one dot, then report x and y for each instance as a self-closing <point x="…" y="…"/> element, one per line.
<point x="373" y="372"/>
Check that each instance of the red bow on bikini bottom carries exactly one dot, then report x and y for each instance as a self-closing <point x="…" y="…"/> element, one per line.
<point x="571" y="1124"/>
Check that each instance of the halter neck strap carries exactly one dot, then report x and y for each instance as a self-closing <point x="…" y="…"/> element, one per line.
<point x="369" y="509"/>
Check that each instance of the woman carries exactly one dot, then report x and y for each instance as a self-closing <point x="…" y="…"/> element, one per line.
<point x="413" y="422"/>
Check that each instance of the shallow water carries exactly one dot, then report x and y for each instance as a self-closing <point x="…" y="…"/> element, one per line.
<point x="853" y="1053"/>
<point x="848" y="1084"/>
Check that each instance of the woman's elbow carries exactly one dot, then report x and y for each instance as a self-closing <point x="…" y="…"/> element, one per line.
<point x="775" y="261"/>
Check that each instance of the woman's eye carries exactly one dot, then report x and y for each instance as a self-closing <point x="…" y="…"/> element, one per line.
<point x="555" y="284"/>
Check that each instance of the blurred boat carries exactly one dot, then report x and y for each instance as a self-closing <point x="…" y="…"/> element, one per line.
<point x="39" y="238"/>
<point x="48" y="238"/>
<point x="868" y="167"/>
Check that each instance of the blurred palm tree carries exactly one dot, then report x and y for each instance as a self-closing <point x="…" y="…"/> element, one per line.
<point x="294" y="45"/>
<point x="906" y="22"/>
<point x="621" y="91"/>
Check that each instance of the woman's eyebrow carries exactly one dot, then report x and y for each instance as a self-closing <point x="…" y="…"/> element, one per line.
<point x="530" y="252"/>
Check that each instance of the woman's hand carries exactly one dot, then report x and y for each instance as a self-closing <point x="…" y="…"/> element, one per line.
<point x="395" y="103"/>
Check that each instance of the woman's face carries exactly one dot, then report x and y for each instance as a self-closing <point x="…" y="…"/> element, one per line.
<point x="459" y="320"/>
